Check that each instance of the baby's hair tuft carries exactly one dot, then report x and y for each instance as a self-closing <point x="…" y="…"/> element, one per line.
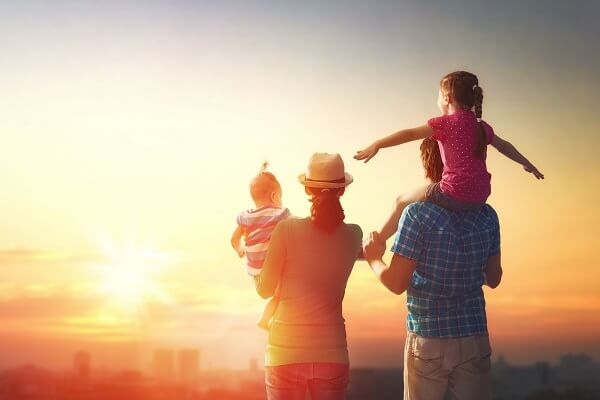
<point x="263" y="184"/>
<point x="263" y="167"/>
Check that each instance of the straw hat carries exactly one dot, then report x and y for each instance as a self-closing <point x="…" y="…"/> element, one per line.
<point x="325" y="171"/>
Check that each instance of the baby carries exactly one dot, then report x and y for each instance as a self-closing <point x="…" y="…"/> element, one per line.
<point x="256" y="225"/>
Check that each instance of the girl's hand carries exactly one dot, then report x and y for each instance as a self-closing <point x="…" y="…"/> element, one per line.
<point x="373" y="247"/>
<point x="533" y="170"/>
<point x="241" y="253"/>
<point x="367" y="153"/>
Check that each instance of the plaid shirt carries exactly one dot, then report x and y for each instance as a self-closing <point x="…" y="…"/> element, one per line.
<point x="445" y="295"/>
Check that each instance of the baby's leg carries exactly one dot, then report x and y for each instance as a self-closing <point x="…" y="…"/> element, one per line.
<point x="391" y="224"/>
<point x="269" y="311"/>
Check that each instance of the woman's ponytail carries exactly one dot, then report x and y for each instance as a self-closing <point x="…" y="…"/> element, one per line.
<point x="326" y="211"/>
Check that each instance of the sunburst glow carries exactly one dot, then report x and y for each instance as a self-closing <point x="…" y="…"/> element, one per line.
<point x="129" y="276"/>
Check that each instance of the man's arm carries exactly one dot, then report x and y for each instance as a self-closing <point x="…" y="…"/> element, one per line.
<point x="395" y="139"/>
<point x="511" y="152"/>
<point x="236" y="241"/>
<point x="395" y="277"/>
<point x="493" y="271"/>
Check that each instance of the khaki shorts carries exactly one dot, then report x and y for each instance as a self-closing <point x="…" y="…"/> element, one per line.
<point x="434" y="365"/>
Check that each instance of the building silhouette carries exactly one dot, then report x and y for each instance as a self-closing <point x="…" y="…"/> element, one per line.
<point x="188" y="361"/>
<point x="81" y="364"/>
<point x="163" y="364"/>
<point x="253" y="365"/>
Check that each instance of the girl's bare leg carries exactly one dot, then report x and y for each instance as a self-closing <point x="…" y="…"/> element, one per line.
<point x="391" y="224"/>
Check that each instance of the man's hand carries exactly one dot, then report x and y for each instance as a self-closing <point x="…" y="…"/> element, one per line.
<point x="373" y="247"/>
<point x="367" y="153"/>
<point x="533" y="170"/>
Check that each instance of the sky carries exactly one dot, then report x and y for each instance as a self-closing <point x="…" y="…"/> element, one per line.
<point x="130" y="131"/>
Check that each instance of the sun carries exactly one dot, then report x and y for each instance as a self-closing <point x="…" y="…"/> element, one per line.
<point x="128" y="276"/>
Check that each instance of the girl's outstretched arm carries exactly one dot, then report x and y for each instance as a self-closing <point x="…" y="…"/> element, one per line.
<point x="511" y="152"/>
<point x="395" y="139"/>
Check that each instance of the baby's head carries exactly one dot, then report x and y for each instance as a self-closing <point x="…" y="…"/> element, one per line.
<point x="265" y="189"/>
<point x="460" y="89"/>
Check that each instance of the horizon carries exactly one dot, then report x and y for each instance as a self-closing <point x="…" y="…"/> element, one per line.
<point x="497" y="359"/>
<point x="130" y="135"/>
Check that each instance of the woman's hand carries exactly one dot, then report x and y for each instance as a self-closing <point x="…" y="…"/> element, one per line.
<point x="367" y="153"/>
<point x="373" y="247"/>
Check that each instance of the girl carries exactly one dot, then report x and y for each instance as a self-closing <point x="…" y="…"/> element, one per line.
<point x="462" y="139"/>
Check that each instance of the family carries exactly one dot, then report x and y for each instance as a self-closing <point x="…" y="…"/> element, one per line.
<point x="446" y="247"/>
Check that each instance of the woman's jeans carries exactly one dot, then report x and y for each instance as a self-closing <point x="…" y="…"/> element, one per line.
<point x="324" y="381"/>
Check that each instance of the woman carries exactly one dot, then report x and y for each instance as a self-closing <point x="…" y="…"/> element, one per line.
<point x="311" y="259"/>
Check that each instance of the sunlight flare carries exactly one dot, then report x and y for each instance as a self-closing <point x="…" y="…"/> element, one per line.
<point x="128" y="277"/>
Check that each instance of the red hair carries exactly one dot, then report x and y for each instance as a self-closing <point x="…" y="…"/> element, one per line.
<point x="431" y="159"/>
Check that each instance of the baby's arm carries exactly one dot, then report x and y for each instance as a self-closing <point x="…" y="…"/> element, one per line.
<point x="511" y="152"/>
<point x="236" y="241"/>
<point x="395" y="139"/>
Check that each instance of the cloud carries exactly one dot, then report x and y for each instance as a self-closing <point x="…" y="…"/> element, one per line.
<point x="30" y="255"/>
<point x="45" y="305"/>
<point x="22" y="254"/>
<point x="550" y="302"/>
<point x="77" y="310"/>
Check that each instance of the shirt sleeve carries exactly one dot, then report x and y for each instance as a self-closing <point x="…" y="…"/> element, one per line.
<point x="286" y="214"/>
<point x="408" y="242"/>
<point x="359" y="237"/>
<point x="489" y="132"/>
<point x="268" y="279"/>
<point x="439" y="126"/>
<point x="240" y="220"/>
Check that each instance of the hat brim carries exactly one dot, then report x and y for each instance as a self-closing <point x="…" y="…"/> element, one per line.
<point x="348" y="179"/>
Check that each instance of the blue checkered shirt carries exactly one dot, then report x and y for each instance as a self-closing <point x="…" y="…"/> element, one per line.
<point x="445" y="295"/>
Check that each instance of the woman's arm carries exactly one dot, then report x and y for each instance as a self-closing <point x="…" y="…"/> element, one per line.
<point x="268" y="279"/>
<point x="395" y="139"/>
<point x="395" y="277"/>
<point x="511" y="152"/>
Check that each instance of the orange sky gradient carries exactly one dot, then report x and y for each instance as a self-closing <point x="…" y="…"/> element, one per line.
<point x="129" y="137"/>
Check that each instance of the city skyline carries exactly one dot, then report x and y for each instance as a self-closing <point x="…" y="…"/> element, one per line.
<point x="573" y="378"/>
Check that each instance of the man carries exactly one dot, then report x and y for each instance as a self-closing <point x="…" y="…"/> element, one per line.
<point x="442" y="259"/>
